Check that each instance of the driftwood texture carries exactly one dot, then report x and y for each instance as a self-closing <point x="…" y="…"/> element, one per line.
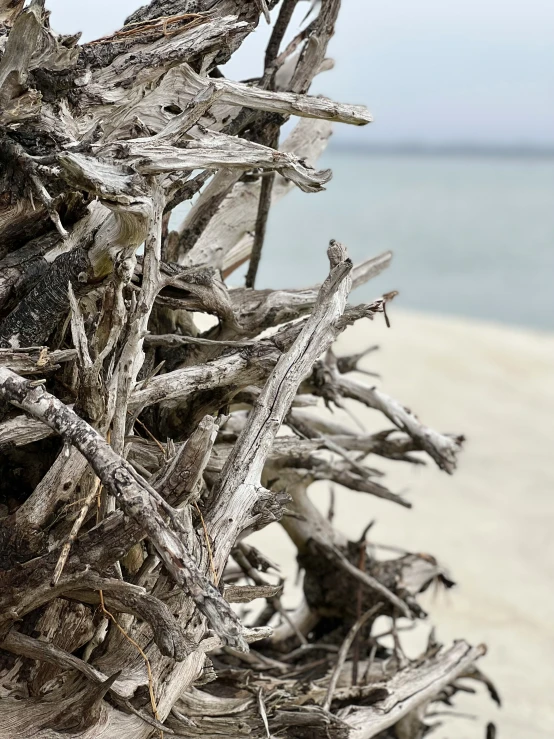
<point x="138" y="452"/>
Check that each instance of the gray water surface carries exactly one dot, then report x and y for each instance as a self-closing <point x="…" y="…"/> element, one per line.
<point x="471" y="236"/>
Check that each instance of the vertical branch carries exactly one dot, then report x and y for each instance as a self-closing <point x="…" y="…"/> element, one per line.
<point x="264" y="205"/>
<point x="132" y="355"/>
<point x="279" y="29"/>
<point x="271" y="138"/>
<point x="316" y="46"/>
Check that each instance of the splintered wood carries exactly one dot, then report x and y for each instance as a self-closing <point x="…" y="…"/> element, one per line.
<point x="138" y="450"/>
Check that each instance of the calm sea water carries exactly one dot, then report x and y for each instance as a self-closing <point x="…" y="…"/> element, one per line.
<point x="471" y="236"/>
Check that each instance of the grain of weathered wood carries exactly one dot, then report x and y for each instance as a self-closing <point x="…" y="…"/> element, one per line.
<point x="138" y="450"/>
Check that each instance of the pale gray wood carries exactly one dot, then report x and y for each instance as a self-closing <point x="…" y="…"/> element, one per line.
<point x="410" y="688"/>
<point x="188" y="432"/>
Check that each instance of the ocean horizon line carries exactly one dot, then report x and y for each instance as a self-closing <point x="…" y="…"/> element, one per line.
<point x="444" y="149"/>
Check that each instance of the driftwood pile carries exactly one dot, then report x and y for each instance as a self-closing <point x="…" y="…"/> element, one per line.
<point x="137" y="452"/>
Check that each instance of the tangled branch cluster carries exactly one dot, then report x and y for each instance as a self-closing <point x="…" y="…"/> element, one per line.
<point x="138" y="451"/>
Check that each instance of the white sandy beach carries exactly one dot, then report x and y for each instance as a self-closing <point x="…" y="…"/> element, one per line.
<point x="491" y="523"/>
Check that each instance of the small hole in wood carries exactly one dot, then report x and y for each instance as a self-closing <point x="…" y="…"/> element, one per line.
<point x="173" y="109"/>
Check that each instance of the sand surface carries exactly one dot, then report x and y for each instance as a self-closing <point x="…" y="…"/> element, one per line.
<point x="492" y="522"/>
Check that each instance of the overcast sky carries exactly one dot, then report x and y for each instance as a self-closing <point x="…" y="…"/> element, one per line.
<point x="436" y="71"/>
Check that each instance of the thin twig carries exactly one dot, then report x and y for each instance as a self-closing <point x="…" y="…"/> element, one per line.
<point x="263" y="713"/>
<point x="359" y="603"/>
<point x="331" y="510"/>
<point x="343" y="653"/>
<point x="74" y="532"/>
<point x="208" y="545"/>
<point x="150" y="434"/>
<point x="261" y="224"/>
<point x="112" y="618"/>
<point x="370" y="662"/>
<point x="170" y="340"/>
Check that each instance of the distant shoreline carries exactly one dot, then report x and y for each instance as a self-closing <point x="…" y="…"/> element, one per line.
<point x="442" y="150"/>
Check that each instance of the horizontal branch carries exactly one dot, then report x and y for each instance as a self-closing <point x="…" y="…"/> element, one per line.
<point x="26" y="646"/>
<point x="257" y="310"/>
<point x="235" y="370"/>
<point x="34" y="361"/>
<point x="249" y="96"/>
<point x="174" y="340"/>
<point x="206" y="149"/>
<point x="23" y="430"/>
<point x="248" y="593"/>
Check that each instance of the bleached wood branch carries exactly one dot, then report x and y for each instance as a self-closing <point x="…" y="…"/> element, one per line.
<point x="410" y="688"/>
<point x="23" y="430"/>
<point x="205" y="149"/>
<point x="248" y="593"/>
<point x="249" y="96"/>
<point x="235" y="370"/>
<point x="181" y="478"/>
<point x="181" y="85"/>
<point x="237" y="489"/>
<point x="139" y="61"/>
<point x="35" y="362"/>
<point x="443" y="449"/>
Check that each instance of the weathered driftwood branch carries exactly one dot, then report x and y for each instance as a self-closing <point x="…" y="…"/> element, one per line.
<point x="137" y="453"/>
<point x="240" y="477"/>
<point x="443" y="449"/>
<point x="403" y="697"/>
